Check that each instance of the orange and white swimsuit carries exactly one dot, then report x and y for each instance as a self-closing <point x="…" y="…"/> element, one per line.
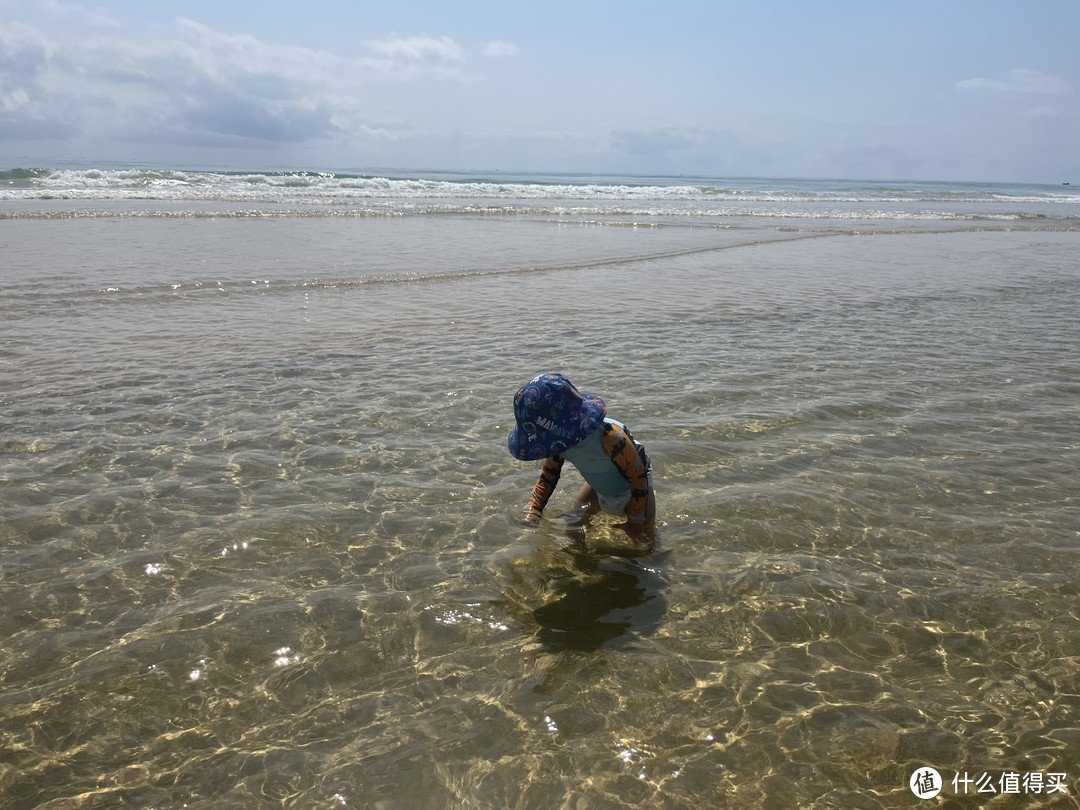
<point x="611" y="462"/>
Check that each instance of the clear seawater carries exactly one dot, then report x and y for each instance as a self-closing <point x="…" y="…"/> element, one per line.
<point x="258" y="525"/>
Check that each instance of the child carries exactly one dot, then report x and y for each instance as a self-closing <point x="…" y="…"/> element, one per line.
<point x="556" y="422"/>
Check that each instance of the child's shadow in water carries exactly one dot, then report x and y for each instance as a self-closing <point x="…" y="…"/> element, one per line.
<point x="603" y="601"/>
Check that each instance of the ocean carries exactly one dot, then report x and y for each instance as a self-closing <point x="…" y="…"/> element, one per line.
<point x="259" y="537"/>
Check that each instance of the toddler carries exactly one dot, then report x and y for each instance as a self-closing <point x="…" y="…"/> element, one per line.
<point x="558" y="423"/>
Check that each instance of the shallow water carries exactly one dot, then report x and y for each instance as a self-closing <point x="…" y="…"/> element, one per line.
<point x="258" y="533"/>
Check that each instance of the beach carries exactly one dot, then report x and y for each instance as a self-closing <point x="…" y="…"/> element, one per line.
<point x="259" y="537"/>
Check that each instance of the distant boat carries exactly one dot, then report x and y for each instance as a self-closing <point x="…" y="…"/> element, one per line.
<point x="1064" y="184"/>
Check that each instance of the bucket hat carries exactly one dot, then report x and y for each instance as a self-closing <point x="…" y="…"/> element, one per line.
<point x="552" y="416"/>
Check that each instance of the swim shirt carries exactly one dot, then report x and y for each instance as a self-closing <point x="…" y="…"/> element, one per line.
<point x="609" y="460"/>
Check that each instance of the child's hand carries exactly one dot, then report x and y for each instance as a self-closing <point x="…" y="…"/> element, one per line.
<point x="636" y="531"/>
<point x="530" y="519"/>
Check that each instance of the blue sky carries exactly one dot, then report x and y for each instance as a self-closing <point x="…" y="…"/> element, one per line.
<point x="925" y="89"/>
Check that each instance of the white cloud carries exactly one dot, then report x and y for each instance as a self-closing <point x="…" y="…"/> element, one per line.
<point x="186" y="83"/>
<point x="1042" y="112"/>
<point x="1020" y="81"/>
<point x="496" y="49"/>
<point x="419" y="49"/>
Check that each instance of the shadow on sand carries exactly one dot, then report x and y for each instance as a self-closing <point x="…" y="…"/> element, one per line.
<point x="602" y="599"/>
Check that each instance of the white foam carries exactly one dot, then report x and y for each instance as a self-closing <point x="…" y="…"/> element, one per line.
<point x="308" y="192"/>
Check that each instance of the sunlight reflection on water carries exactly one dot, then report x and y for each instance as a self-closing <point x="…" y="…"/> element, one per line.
<point x="261" y="548"/>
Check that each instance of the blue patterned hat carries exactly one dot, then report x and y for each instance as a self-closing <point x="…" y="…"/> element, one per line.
<point x="552" y="416"/>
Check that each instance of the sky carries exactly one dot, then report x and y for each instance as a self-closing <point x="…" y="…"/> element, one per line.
<point x="977" y="90"/>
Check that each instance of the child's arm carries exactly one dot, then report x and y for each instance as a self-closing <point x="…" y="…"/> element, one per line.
<point x="622" y="451"/>
<point x="545" y="486"/>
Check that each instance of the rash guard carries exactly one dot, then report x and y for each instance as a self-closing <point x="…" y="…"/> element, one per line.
<point x="612" y="463"/>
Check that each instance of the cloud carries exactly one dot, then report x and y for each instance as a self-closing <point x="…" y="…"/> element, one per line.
<point x="186" y="83"/>
<point x="220" y="116"/>
<point x="670" y="149"/>
<point x="24" y="66"/>
<point x="1043" y="112"/>
<point x="1019" y="81"/>
<point x="660" y="143"/>
<point x="881" y="161"/>
<point x="205" y="87"/>
<point x="497" y="49"/>
<point x="419" y="49"/>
